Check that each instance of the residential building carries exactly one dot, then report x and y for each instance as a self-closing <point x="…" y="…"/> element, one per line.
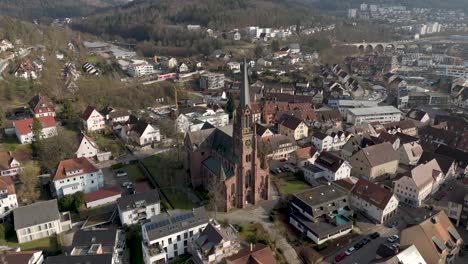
<point x="102" y="197"/>
<point x="41" y="106"/>
<point x="328" y="166"/>
<point x="292" y="126"/>
<point x="415" y="186"/>
<point x="436" y="239"/>
<point x="447" y="164"/>
<point x="76" y="175"/>
<point x="18" y="256"/>
<point x="373" y="200"/>
<point x="304" y="156"/>
<point x="329" y="142"/>
<point x="382" y="114"/>
<point x="98" y="242"/>
<point x="139" y="68"/>
<point x="278" y="147"/>
<point x="257" y="253"/>
<point x="457" y="208"/>
<point x="374" y="161"/>
<point x="407" y="255"/>
<point x="166" y="236"/>
<point x="26" y="70"/>
<point x="92" y="120"/>
<point x="8" y="199"/>
<point x="263" y="132"/>
<point x="87" y="148"/>
<point x="321" y="213"/>
<point x="410" y="153"/>
<point x="118" y="116"/>
<point x="141" y="133"/>
<point x="24" y="133"/>
<point x="231" y="155"/>
<point x="89" y="259"/>
<point x="214" y="244"/>
<point x="40" y="220"/>
<point x="136" y="208"/>
<point x="212" y="81"/>
<point x="12" y="162"/>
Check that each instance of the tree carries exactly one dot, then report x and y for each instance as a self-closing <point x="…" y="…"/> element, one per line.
<point x="274" y="45"/>
<point x="65" y="203"/>
<point x="29" y="189"/>
<point x="68" y="111"/>
<point x="2" y="117"/>
<point x="258" y="51"/>
<point x="53" y="150"/>
<point x="37" y="129"/>
<point x="216" y="192"/>
<point x="78" y="201"/>
<point x="230" y="105"/>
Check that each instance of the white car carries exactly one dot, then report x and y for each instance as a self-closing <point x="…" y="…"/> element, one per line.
<point x="349" y="251"/>
<point x="393" y="238"/>
<point x="120" y="173"/>
<point x="127" y="184"/>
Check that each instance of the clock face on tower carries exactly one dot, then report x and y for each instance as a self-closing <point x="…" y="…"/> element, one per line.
<point x="247" y="142"/>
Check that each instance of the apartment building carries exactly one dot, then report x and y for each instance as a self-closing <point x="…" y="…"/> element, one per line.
<point x="212" y="81"/>
<point x="382" y="114"/>
<point x="135" y="208"/>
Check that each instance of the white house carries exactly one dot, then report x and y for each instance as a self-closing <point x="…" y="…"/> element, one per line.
<point x="329" y="142"/>
<point x="23" y="129"/>
<point x="5" y="44"/>
<point x="8" y="199"/>
<point x="136" y="208"/>
<point x="41" y="106"/>
<point x="140" y="133"/>
<point x="410" y="153"/>
<point x="233" y="66"/>
<point x="167" y="235"/>
<point x="11" y="162"/>
<point x="74" y="175"/>
<point x="373" y="200"/>
<point x="40" y="220"/>
<point x="328" y="166"/>
<point x="415" y="186"/>
<point x="139" y="68"/>
<point x="88" y="147"/>
<point x="92" y="120"/>
<point x="26" y="70"/>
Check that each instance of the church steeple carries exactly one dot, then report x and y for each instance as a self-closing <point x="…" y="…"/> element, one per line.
<point x="245" y="90"/>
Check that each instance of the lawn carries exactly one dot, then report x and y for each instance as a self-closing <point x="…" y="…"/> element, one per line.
<point x="134" y="172"/>
<point x="179" y="199"/>
<point x="47" y="244"/>
<point x="289" y="184"/>
<point x="167" y="169"/>
<point x="252" y="233"/>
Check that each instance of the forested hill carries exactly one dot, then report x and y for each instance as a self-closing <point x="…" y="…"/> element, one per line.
<point x="334" y="5"/>
<point x="36" y="9"/>
<point x="146" y="19"/>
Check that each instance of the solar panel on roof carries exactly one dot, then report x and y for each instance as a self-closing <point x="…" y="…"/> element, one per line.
<point x="440" y="246"/>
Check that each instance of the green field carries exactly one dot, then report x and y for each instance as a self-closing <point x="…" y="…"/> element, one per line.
<point x="47" y="244"/>
<point x="179" y="199"/>
<point x="289" y="184"/>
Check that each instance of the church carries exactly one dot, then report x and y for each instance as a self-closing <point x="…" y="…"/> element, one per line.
<point x="229" y="158"/>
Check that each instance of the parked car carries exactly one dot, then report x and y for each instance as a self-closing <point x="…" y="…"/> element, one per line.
<point x="350" y="251"/>
<point x="274" y="171"/>
<point x="340" y="257"/>
<point x="365" y="241"/>
<point x="126" y="184"/>
<point x="358" y="245"/>
<point x="393" y="224"/>
<point x="395" y="246"/>
<point x="120" y="173"/>
<point x="393" y="238"/>
<point x="375" y="235"/>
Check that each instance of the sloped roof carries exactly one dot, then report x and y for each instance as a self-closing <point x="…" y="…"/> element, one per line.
<point x="372" y="193"/>
<point x="7" y="183"/>
<point x="87" y="112"/>
<point x="100" y="194"/>
<point x="445" y="162"/>
<point x="290" y="122"/>
<point x="40" y="101"/>
<point x="36" y="213"/>
<point x="329" y="161"/>
<point x="13" y="257"/>
<point x="127" y="201"/>
<point x="24" y="126"/>
<point x="380" y="154"/>
<point x="73" y="165"/>
<point x="260" y="254"/>
<point x="21" y="156"/>
<point x="215" y="167"/>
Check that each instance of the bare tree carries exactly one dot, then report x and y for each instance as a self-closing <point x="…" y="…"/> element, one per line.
<point x="216" y="192"/>
<point x="29" y="189"/>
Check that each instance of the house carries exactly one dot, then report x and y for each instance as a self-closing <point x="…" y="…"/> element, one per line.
<point x="141" y="133"/>
<point x="382" y="114"/>
<point x="234" y="67"/>
<point x="356" y="143"/>
<point x="167" y="235"/>
<point x="136" y="208"/>
<point x="18" y="256"/>
<point x="410" y="153"/>
<point x="447" y="164"/>
<point x="101" y="197"/>
<point x="8" y="199"/>
<point x="293" y="127"/>
<point x="75" y="175"/>
<point x="40" y="220"/>
<point x="171" y="63"/>
<point x="139" y="68"/>
<point x="92" y="120"/>
<point x="213" y="244"/>
<point x="87" y="148"/>
<point x="263" y="132"/>
<point x="183" y="67"/>
<point x="414" y="187"/>
<point x="97" y="242"/>
<point x="435" y="237"/>
<point x="322" y="141"/>
<point x="304" y="156"/>
<point x="420" y="117"/>
<point x="257" y="253"/>
<point x="11" y="162"/>
<point x="457" y="208"/>
<point x="277" y="147"/>
<point x="5" y="45"/>
<point x="329" y="166"/>
<point x="41" y="106"/>
<point x="321" y="213"/>
<point x="26" y="70"/>
<point x="211" y="81"/>
<point x="375" y="161"/>
<point x="118" y="116"/>
<point x="24" y="133"/>
<point x="407" y="255"/>
<point x="373" y="200"/>
<point x="390" y="138"/>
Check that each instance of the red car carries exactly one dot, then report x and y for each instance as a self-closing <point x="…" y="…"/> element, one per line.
<point x="340" y="257"/>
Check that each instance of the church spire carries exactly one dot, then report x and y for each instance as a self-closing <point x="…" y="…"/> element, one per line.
<point x="245" y="92"/>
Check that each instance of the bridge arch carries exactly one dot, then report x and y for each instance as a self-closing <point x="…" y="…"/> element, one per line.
<point x="369" y="48"/>
<point x="379" y="48"/>
<point x="361" y="48"/>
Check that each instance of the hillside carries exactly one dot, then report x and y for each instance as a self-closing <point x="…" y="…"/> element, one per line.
<point x="152" y="19"/>
<point x="334" y="5"/>
<point x="35" y="9"/>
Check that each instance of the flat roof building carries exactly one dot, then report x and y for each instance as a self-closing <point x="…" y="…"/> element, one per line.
<point x="382" y="114"/>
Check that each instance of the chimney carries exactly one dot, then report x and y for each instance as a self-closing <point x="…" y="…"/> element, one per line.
<point x="251" y="247"/>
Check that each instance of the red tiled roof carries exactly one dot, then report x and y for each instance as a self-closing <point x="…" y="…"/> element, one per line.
<point x="21" y="156"/>
<point x="87" y="112"/>
<point x="39" y="102"/>
<point x="73" y="165"/>
<point x="372" y="193"/>
<point x="101" y="194"/>
<point x="24" y="126"/>
<point x="261" y="254"/>
<point x="7" y="183"/>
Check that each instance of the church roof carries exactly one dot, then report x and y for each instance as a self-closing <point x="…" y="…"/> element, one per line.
<point x="215" y="167"/>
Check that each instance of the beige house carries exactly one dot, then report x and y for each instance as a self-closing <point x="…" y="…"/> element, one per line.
<point x="292" y="126"/>
<point x="375" y="161"/>
<point x="436" y="239"/>
<point x="92" y="120"/>
<point x="410" y="153"/>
